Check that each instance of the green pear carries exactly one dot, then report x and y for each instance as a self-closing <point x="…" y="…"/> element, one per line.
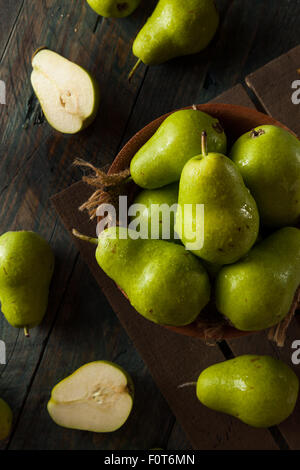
<point x="227" y="226"/>
<point x="176" y="28"/>
<point x="6" y="418"/>
<point x="114" y="8"/>
<point x="259" y="390"/>
<point x="67" y="93"/>
<point x="160" y="161"/>
<point x="268" y="158"/>
<point x="163" y="282"/>
<point x="26" y="268"/>
<point x="153" y="202"/>
<point x="97" y="397"/>
<point x="257" y="292"/>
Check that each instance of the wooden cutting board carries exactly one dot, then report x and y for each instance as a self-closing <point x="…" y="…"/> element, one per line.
<point x="174" y="359"/>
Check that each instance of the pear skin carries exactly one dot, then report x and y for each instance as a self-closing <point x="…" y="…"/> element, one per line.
<point x="258" y="390"/>
<point x="114" y="8"/>
<point x="268" y="158"/>
<point x="163" y="281"/>
<point x="229" y="221"/>
<point x="176" y="28"/>
<point x="152" y="200"/>
<point x="257" y="292"/>
<point x="26" y="268"/>
<point x="160" y="161"/>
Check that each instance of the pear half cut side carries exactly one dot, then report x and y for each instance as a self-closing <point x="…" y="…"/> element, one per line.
<point x="98" y="397"/>
<point x="68" y="94"/>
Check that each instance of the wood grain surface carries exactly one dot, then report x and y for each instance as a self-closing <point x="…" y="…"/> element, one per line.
<point x="36" y="163"/>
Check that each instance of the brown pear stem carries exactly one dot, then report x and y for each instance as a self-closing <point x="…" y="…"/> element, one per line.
<point x="187" y="384"/>
<point x="133" y="70"/>
<point x="85" y="238"/>
<point x="204" y="143"/>
<point x="26" y="331"/>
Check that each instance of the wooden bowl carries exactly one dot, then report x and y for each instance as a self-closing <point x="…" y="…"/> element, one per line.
<point x="236" y="120"/>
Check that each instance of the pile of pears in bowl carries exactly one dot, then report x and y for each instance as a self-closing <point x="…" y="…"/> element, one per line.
<point x="231" y="268"/>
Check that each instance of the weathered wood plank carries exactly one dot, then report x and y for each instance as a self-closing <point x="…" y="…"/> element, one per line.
<point x="87" y="330"/>
<point x="35" y="212"/>
<point x="9" y="12"/>
<point x="25" y="194"/>
<point x="21" y="133"/>
<point x="272" y="84"/>
<point x="253" y="33"/>
<point x="236" y="95"/>
<point x="177" y="440"/>
<point x="30" y="209"/>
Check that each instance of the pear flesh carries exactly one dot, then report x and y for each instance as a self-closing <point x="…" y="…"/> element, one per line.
<point x="114" y="8"/>
<point x="67" y="93"/>
<point x="98" y="397"/>
<point x="6" y="418"/>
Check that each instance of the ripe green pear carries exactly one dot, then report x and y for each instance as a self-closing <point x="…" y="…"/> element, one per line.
<point x="97" y="397"/>
<point x="160" y="161"/>
<point x="176" y="28"/>
<point x="268" y="158"/>
<point x="228" y="224"/>
<point x="154" y="201"/>
<point x="26" y="268"/>
<point x="114" y="8"/>
<point x="163" y="282"/>
<point x="6" y="418"/>
<point x="258" y="390"/>
<point x="68" y="94"/>
<point x="257" y="292"/>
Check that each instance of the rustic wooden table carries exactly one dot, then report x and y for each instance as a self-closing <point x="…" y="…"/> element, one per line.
<point x="36" y="162"/>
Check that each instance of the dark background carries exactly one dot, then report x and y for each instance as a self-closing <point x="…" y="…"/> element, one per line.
<point x="36" y="162"/>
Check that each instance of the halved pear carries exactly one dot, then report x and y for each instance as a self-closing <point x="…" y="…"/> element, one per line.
<point x="97" y="397"/>
<point x="68" y="95"/>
